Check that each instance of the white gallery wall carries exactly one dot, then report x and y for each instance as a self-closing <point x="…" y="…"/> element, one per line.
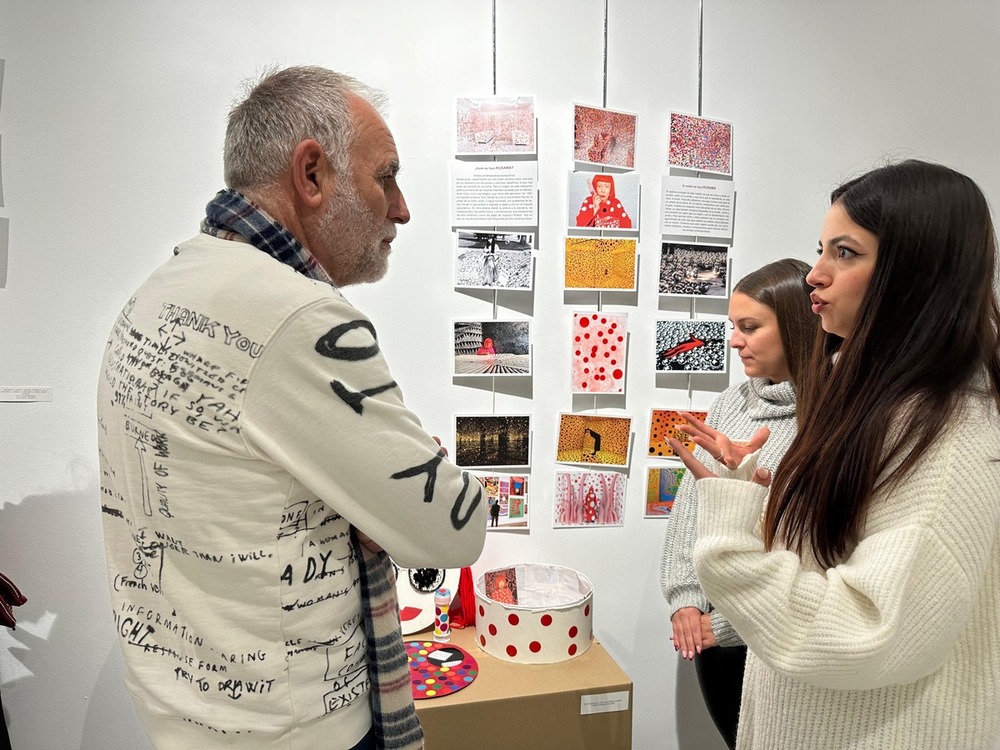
<point x="112" y="114"/>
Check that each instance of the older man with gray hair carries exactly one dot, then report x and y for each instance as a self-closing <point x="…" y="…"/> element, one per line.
<point x="258" y="463"/>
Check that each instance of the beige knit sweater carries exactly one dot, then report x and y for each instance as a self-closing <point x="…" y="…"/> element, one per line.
<point x="896" y="647"/>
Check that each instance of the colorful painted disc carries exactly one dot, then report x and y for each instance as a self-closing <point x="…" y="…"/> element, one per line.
<point x="438" y="669"/>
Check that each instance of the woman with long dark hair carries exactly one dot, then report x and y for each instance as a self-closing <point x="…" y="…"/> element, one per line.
<point x="866" y="581"/>
<point x="773" y="332"/>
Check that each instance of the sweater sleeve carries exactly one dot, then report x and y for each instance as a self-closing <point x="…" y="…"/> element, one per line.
<point x="677" y="574"/>
<point x="892" y="611"/>
<point x="322" y="405"/>
<point x="677" y="577"/>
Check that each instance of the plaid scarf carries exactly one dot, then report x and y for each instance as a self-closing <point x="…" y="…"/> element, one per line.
<point x="232" y="217"/>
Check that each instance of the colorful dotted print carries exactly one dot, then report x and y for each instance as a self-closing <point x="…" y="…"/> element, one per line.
<point x="701" y="144"/>
<point x="442" y="624"/>
<point x="598" y="346"/>
<point x="661" y="427"/>
<point x="437" y="670"/>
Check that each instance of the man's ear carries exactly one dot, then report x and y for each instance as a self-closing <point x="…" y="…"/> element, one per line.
<point x="311" y="173"/>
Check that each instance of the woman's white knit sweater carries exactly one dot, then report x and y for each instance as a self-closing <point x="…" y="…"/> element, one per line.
<point x="898" y="646"/>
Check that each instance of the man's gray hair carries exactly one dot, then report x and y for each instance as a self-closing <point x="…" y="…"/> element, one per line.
<point x="282" y="109"/>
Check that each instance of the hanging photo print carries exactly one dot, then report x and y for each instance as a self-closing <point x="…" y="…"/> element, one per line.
<point x="599" y="263"/>
<point x="662" y="428"/>
<point x="700" y="144"/>
<point x="593" y="440"/>
<point x="506" y="500"/>
<point x="492" y="440"/>
<point x="599" y="200"/>
<point x="691" y="346"/>
<point x="495" y="125"/>
<point x="493" y="260"/>
<point x="694" y="269"/>
<point x="661" y="489"/>
<point x="598" y="352"/>
<point x="604" y="137"/>
<point x="492" y="347"/>
<point x="589" y="498"/>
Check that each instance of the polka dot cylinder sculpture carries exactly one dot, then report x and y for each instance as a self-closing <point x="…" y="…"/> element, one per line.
<point x="442" y="620"/>
<point x="551" y="622"/>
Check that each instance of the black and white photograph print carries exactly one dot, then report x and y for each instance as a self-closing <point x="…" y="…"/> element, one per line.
<point x="694" y="269"/>
<point x="492" y="347"/>
<point x="493" y="260"/>
<point x="691" y="346"/>
<point x="492" y="440"/>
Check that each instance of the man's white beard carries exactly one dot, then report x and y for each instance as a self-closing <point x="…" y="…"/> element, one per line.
<point x="354" y="237"/>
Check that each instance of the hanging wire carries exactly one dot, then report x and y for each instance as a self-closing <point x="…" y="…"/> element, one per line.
<point x="493" y="380"/>
<point x="604" y="104"/>
<point x="495" y="49"/>
<point x="701" y="48"/>
<point x="604" y="100"/>
<point x="701" y="57"/>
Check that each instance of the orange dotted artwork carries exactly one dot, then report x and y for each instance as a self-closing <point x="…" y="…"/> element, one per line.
<point x="661" y="428"/>
<point x="599" y="263"/>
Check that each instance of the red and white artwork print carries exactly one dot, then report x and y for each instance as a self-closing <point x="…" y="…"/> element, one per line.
<point x="598" y="352"/>
<point x="552" y="622"/>
<point x="589" y="498"/>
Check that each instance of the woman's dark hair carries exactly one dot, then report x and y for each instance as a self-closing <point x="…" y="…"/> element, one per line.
<point x="926" y="329"/>
<point x="781" y="286"/>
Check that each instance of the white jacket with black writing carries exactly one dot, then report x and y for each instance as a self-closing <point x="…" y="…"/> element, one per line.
<point x="246" y="419"/>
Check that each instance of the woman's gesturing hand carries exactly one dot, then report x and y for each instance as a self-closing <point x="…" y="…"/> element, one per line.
<point x="729" y="453"/>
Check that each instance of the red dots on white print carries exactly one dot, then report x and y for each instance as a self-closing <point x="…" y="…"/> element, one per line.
<point x="599" y="344"/>
<point x="535" y="634"/>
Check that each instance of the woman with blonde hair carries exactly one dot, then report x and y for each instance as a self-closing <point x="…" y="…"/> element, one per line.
<point x="773" y="332"/>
